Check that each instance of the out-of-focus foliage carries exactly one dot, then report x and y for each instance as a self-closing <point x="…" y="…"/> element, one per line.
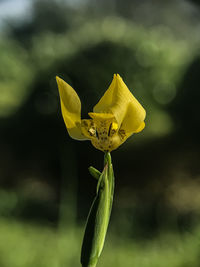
<point x="14" y="76"/>
<point x="150" y="60"/>
<point x="45" y="189"/>
<point x="29" y="245"/>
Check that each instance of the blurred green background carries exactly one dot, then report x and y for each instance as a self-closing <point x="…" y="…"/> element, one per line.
<point x="45" y="187"/>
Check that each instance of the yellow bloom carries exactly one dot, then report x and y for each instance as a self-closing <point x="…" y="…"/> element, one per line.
<point x="116" y="116"/>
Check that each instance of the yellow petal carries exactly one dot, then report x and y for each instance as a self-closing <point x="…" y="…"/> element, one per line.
<point x="133" y="121"/>
<point x="71" y="109"/>
<point x="140" y="128"/>
<point x="101" y="116"/>
<point x="119" y="101"/>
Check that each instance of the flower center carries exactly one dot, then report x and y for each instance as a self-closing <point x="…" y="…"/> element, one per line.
<point x="103" y="131"/>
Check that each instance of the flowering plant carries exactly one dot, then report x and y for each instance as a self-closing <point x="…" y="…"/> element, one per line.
<point x="115" y="117"/>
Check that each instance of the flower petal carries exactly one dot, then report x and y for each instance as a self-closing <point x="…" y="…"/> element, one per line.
<point x="102" y="116"/>
<point x="140" y="128"/>
<point x="119" y="101"/>
<point x="71" y="109"/>
<point x="133" y="121"/>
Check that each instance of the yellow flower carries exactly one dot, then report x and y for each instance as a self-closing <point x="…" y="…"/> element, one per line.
<point x="115" y="117"/>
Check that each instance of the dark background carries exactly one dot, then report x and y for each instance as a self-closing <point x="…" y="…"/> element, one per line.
<point x="45" y="188"/>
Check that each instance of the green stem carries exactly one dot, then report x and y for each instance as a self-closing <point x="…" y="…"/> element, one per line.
<point x="99" y="215"/>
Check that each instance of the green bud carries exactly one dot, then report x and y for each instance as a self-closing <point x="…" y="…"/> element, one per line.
<point x="94" y="172"/>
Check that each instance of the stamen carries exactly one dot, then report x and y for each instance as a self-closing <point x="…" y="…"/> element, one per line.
<point x="88" y="128"/>
<point x="112" y="129"/>
<point x="109" y="130"/>
<point x="102" y="132"/>
<point x="92" y="131"/>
